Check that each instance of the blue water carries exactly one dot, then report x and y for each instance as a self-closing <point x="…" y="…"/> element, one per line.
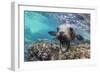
<point x="38" y="24"/>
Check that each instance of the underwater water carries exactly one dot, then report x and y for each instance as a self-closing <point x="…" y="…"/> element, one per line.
<point x="37" y="24"/>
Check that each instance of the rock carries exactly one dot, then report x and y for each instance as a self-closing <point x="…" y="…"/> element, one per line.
<point x="64" y="49"/>
<point x="43" y="50"/>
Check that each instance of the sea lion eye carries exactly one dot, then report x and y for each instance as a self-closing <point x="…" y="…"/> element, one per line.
<point x="71" y="29"/>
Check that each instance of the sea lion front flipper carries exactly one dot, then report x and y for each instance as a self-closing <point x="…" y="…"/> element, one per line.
<point x="52" y="33"/>
<point x="79" y="37"/>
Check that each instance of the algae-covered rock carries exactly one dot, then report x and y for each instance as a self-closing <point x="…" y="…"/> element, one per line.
<point x="44" y="50"/>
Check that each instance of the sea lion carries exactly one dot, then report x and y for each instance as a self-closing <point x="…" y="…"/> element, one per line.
<point x="64" y="33"/>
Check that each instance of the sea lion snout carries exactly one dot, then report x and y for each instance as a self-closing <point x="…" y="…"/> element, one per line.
<point x="61" y="33"/>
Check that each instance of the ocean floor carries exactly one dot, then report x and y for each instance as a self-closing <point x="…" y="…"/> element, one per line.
<point x="44" y="50"/>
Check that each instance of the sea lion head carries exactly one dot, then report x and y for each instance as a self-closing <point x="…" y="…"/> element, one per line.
<point x="65" y="31"/>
